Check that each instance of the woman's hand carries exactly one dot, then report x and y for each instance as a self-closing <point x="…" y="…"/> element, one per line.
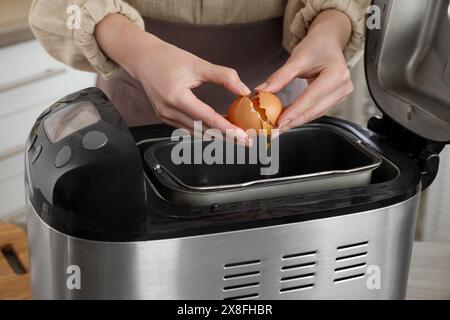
<point x="168" y="74"/>
<point x="319" y="59"/>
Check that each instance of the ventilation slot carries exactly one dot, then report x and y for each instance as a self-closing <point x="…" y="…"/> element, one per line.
<point x="350" y="256"/>
<point x="241" y="286"/>
<point x="301" y="276"/>
<point x="298" y="271"/>
<point x="350" y="267"/>
<point x="241" y="264"/>
<point x="242" y="280"/>
<point x="241" y="275"/>
<point x="298" y="266"/>
<point x="243" y="297"/>
<point x="353" y="277"/>
<point x="299" y="255"/>
<point x="297" y="288"/>
<point x="354" y="245"/>
<point x="351" y="261"/>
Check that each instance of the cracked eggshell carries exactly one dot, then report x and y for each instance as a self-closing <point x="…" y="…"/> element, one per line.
<point x="242" y="114"/>
<point x="271" y="104"/>
<point x="245" y="112"/>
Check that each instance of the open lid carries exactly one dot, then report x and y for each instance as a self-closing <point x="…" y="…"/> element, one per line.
<point x="408" y="65"/>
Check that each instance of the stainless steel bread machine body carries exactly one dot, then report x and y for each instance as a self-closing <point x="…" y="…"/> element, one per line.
<point x="332" y="258"/>
<point x="105" y="222"/>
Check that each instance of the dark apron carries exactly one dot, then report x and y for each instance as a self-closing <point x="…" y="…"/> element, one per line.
<point x="253" y="49"/>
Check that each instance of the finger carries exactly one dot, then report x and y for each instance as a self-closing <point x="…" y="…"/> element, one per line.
<point x="193" y="133"/>
<point x="169" y="113"/>
<point x="224" y="76"/>
<point x="325" y="84"/>
<point x="323" y="106"/>
<point x="181" y="120"/>
<point x="176" y="124"/>
<point x="203" y="134"/>
<point x="279" y="79"/>
<point x="197" y="109"/>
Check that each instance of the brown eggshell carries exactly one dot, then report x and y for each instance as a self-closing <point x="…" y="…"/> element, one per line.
<point x="259" y="112"/>
<point x="243" y="115"/>
<point x="271" y="104"/>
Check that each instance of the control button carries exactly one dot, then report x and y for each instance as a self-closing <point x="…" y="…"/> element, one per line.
<point x="94" y="140"/>
<point x="37" y="152"/>
<point x="63" y="156"/>
<point x="70" y="97"/>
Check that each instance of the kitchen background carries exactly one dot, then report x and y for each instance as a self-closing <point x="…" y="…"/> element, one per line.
<point x="31" y="80"/>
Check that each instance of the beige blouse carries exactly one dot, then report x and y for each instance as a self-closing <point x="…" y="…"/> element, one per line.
<point x="66" y="27"/>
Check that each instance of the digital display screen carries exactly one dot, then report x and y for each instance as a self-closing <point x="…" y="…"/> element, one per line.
<point x="69" y="120"/>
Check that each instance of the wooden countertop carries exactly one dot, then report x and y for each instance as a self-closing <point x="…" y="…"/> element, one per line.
<point x="14" y="22"/>
<point x="14" y="265"/>
<point x="429" y="276"/>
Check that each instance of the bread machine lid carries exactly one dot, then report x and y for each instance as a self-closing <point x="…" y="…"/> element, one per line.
<point x="408" y="64"/>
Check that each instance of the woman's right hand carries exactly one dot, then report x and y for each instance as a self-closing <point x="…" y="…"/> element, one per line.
<point x="168" y="75"/>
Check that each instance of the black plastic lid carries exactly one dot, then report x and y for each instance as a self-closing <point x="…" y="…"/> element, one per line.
<point x="408" y="65"/>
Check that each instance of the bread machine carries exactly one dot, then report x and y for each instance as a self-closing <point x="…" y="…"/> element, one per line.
<point x="111" y="217"/>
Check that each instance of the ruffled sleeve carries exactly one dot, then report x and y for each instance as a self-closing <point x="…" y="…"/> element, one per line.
<point x="65" y="28"/>
<point x="299" y="15"/>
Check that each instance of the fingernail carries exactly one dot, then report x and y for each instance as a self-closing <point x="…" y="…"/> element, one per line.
<point x="274" y="133"/>
<point x="284" y="125"/>
<point x="261" y="86"/>
<point x="242" y="137"/>
<point x="245" y="90"/>
<point x="244" y="141"/>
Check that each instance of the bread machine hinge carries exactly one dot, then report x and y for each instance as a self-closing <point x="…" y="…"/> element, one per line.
<point x="423" y="151"/>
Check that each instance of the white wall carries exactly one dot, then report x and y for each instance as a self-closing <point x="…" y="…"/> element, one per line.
<point x="30" y="81"/>
<point x="436" y="220"/>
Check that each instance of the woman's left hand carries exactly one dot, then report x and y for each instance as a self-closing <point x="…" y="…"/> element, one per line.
<point x="318" y="58"/>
